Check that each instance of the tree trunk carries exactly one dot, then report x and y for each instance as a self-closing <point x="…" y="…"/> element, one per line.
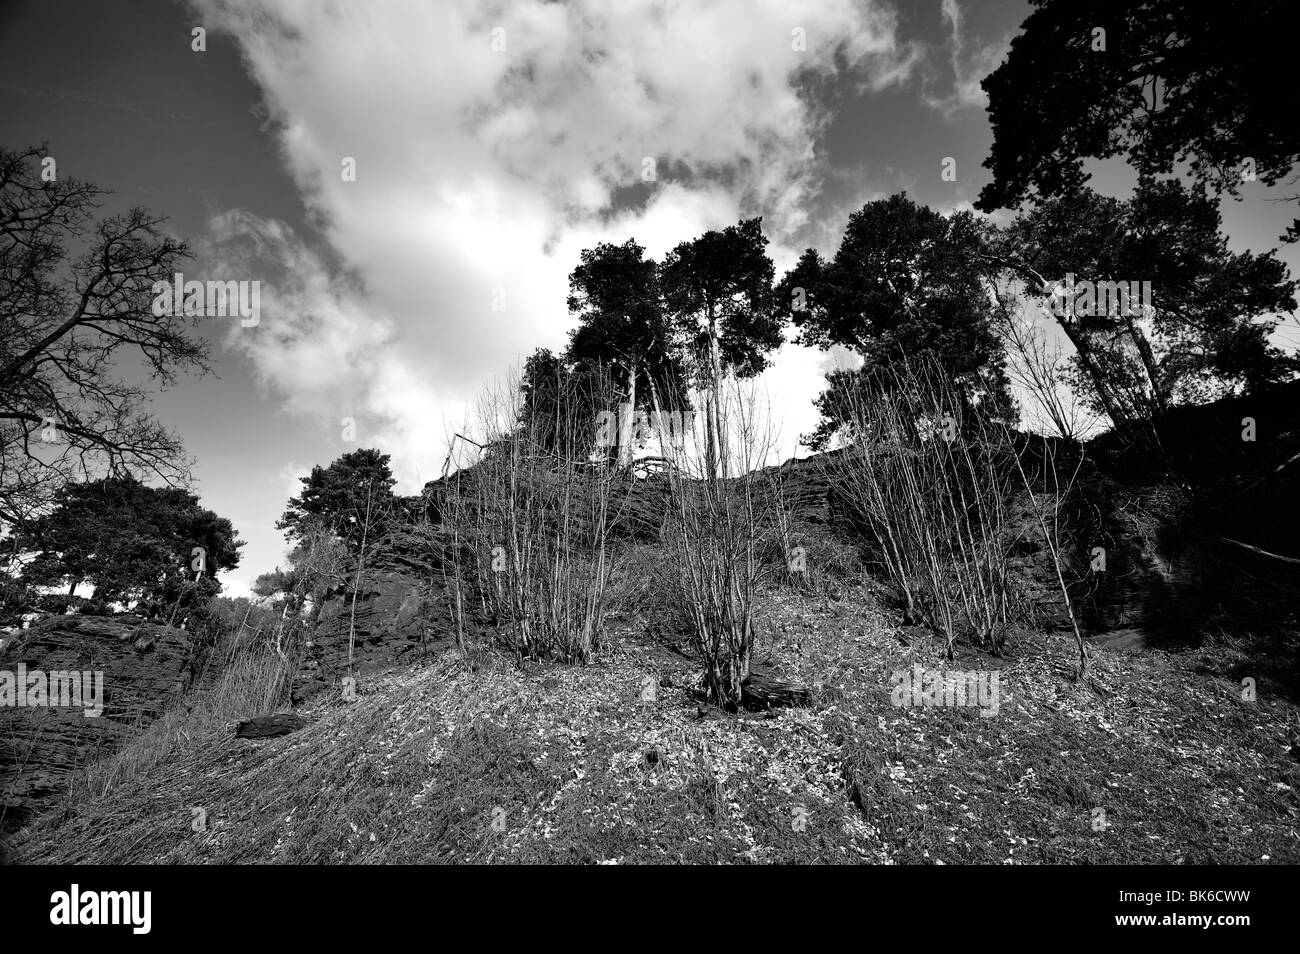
<point x="1108" y="400"/>
<point x="1148" y="363"/>
<point x="717" y="444"/>
<point x="627" y="428"/>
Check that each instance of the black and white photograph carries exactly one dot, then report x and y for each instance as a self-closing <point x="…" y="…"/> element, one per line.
<point x="640" y="432"/>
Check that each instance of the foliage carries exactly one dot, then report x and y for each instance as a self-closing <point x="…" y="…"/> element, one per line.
<point x="906" y="282"/>
<point x="1175" y="83"/>
<point x="131" y="542"/>
<point x="717" y="288"/>
<point x="614" y="291"/>
<point x="1207" y="332"/>
<point x="552" y="389"/>
<point x="718" y="293"/>
<point x="356" y="488"/>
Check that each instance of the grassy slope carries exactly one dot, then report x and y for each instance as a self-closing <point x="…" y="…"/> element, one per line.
<point x="482" y="761"/>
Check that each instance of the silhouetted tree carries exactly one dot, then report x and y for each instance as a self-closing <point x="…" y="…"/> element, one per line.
<point x="1160" y="82"/>
<point x="549" y="385"/>
<point x="905" y="283"/>
<point x="614" y="290"/>
<point x="1206" y="330"/>
<point x="130" y="541"/>
<point x="76" y="299"/>
<point x="352" y="497"/>
<point x="717" y="290"/>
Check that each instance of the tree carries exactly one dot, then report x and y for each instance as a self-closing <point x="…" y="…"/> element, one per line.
<point x="543" y="379"/>
<point x="1039" y="363"/>
<point x="353" y="497"/>
<point x="1160" y="82"/>
<point x="614" y="290"/>
<point x="717" y="290"/>
<point x="132" y="542"/>
<point x="66" y="321"/>
<point x="905" y="283"/>
<point x="317" y="564"/>
<point x="1204" y="332"/>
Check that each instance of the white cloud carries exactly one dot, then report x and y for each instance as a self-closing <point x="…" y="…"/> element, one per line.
<point x="482" y="174"/>
<point x="233" y="587"/>
<point x="968" y="71"/>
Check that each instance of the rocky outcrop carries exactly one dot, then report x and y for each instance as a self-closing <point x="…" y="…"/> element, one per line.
<point x="398" y="618"/>
<point x="140" y="667"/>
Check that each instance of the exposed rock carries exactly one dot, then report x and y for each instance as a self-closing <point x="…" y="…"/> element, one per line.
<point x="144" y="666"/>
<point x="397" y="620"/>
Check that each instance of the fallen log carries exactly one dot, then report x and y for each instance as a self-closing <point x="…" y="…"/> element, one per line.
<point x="270" y="726"/>
<point x="763" y="690"/>
<point x="1265" y="553"/>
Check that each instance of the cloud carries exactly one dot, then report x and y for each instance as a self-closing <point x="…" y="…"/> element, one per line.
<point x="234" y="587"/>
<point x="316" y="341"/>
<point x="481" y="172"/>
<point x="968" y="70"/>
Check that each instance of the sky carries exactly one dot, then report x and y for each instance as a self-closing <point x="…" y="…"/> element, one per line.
<point x="491" y="143"/>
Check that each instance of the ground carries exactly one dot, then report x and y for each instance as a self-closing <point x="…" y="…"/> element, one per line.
<point x="1158" y="759"/>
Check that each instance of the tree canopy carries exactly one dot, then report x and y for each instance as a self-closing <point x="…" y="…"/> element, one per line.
<point x="1205" y="330"/>
<point x="352" y="497"/>
<point x="717" y="289"/>
<point x="614" y="291"/>
<point x="906" y="282"/>
<point x="1160" y="82"/>
<point x="131" y="542"/>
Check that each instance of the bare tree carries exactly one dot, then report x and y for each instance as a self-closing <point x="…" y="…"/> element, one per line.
<point x="66" y="323"/>
<point x="719" y="529"/>
<point x="529" y="518"/>
<point x="1046" y="504"/>
<point x="929" y="485"/>
<point x="1038" y="366"/>
<point x="366" y="527"/>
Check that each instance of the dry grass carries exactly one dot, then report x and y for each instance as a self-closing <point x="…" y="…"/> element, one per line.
<point x="577" y="764"/>
<point x="254" y="683"/>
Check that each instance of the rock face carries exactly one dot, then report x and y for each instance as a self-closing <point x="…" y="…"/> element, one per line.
<point x="398" y="619"/>
<point x="144" y="666"/>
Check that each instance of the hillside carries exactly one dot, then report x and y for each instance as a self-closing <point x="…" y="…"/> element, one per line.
<point x="476" y="760"/>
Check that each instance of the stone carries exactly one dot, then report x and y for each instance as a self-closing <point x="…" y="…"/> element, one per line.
<point x="145" y="665"/>
<point x="398" y="620"/>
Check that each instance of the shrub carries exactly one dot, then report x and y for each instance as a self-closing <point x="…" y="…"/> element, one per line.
<point x="928" y="481"/>
<point x="718" y="531"/>
<point x="529" y="520"/>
